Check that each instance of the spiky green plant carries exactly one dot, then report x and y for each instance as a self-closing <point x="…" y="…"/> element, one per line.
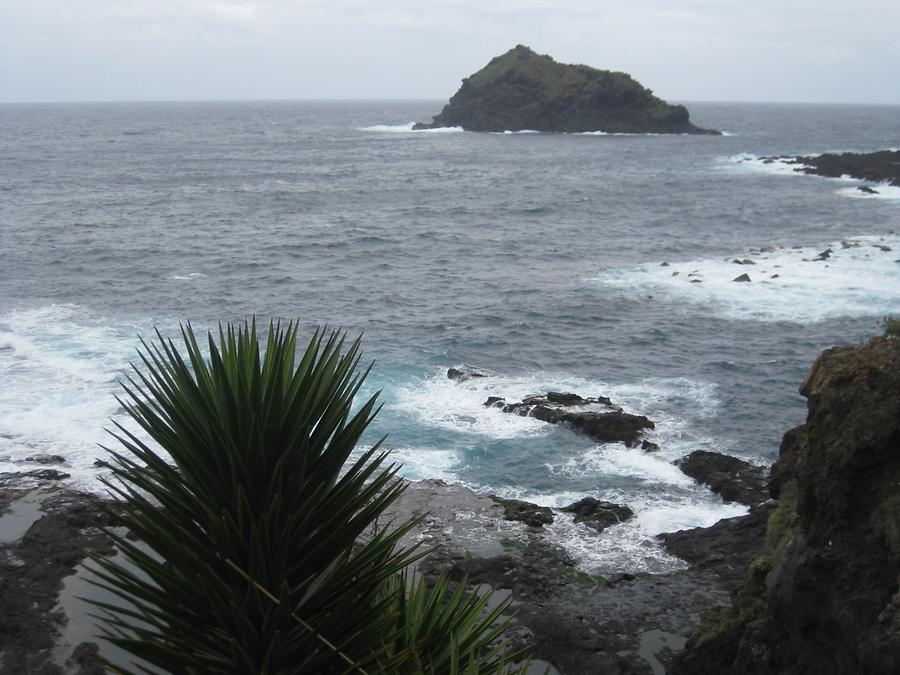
<point x="444" y="631"/>
<point x="250" y="554"/>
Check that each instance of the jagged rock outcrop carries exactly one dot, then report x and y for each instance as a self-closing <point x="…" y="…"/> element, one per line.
<point x="824" y="597"/>
<point x="596" y="417"/>
<point x="598" y="514"/>
<point x="735" y="479"/>
<point x="462" y="375"/>
<point x="525" y="512"/>
<point x="522" y="90"/>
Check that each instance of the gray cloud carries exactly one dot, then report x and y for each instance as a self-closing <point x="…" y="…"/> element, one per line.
<point x="233" y="49"/>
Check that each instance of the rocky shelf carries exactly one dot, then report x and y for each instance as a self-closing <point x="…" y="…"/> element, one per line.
<point x="882" y="166"/>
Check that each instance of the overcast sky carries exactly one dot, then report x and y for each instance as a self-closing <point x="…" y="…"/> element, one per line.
<point x="688" y="50"/>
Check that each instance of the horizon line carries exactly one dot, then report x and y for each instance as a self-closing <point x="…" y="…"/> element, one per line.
<point x="399" y="100"/>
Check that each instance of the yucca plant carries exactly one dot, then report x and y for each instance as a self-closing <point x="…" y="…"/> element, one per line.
<point x="247" y="551"/>
<point x="444" y="631"/>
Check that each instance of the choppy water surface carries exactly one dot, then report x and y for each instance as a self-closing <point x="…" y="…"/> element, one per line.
<point x="537" y="258"/>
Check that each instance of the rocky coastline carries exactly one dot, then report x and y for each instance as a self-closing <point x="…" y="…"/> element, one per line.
<point x="806" y="582"/>
<point x="882" y="166"/>
<point x="522" y="90"/>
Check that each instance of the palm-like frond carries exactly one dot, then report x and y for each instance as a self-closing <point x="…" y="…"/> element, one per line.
<point x="444" y="631"/>
<point x="250" y="555"/>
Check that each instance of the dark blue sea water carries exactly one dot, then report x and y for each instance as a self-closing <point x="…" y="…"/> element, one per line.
<point x="535" y="258"/>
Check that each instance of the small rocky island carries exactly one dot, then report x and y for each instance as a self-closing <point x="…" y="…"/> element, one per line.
<point x="522" y="90"/>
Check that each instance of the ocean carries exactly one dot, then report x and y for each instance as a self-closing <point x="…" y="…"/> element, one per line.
<point x="546" y="261"/>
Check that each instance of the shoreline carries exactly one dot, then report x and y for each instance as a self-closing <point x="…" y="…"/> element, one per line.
<point x="49" y="530"/>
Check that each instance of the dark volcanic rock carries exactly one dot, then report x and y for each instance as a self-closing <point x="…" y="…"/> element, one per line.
<point x="727" y="547"/>
<point x="32" y="568"/>
<point x="867" y="190"/>
<point x="39" y="474"/>
<point x="459" y="375"/>
<point x="733" y="478"/>
<point x="597" y="514"/>
<point x="883" y="165"/>
<point x="524" y="90"/>
<point x="611" y="426"/>
<point x="46" y="459"/>
<point x="824" y="597"/>
<point x="525" y="512"/>
<point x="743" y="277"/>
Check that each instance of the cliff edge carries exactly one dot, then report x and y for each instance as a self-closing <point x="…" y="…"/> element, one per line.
<point x="522" y="90"/>
<point x="823" y="597"/>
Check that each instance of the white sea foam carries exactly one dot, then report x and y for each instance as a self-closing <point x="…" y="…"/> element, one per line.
<point x="861" y="277"/>
<point x="188" y="277"/>
<point x="441" y="403"/>
<point x="632" y="546"/>
<point x="882" y="191"/>
<point x="60" y="371"/>
<point x="408" y="129"/>
<point x="772" y="165"/>
<point x="459" y="406"/>
<point x="617" y="460"/>
<point x="663" y="498"/>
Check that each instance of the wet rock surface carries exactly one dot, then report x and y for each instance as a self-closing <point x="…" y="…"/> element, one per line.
<point x="58" y="528"/>
<point x="736" y="480"/>
<point x="581" y="623"/>
<point x="598" y="514"/>
<point x="596" y="417"/>
<point x="462" y="375"/>
<point x="525" y="512"/>
<point x="727" y="547"/>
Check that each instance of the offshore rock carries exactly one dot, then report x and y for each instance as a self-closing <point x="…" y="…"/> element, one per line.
<point x="460" y="375"/>
<point x="597" y="514"/>
<point x="734" y="479"/>
<point x="602" y="420"/>
<point x="523" y="90"/>
<point x="824" y="596"/>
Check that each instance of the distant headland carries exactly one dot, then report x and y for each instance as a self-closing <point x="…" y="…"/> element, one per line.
<point x="522" y="90"/>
